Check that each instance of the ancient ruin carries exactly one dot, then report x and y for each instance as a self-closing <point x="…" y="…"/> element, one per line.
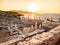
<point x="29" y="31"/>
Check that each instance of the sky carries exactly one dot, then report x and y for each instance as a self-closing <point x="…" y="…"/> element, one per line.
<point x="43" y="6"/>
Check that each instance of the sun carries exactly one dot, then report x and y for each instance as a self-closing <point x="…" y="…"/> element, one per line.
<point x="32" y="7"/>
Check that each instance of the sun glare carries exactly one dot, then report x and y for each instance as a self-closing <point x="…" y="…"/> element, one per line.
<point x="32" y="7"/>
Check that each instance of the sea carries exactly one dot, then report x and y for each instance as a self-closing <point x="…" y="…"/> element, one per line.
<point x="53" y="16"/>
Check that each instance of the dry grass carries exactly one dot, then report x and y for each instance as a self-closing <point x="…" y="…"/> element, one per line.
<point x="4" y="36"/>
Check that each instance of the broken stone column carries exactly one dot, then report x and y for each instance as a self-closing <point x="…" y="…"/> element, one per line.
<point x="35" y="25"/>
<point x="40" y="26"/>
<point x="11" y="31"/>
<point x="12" y="28"/>
<point x="16" y="27"/>
<point x="32" y="28"/>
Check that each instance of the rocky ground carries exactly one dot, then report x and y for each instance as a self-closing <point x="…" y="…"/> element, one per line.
<point x="49" y="37"/>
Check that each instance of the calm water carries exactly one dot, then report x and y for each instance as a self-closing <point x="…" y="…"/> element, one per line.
<point x="55" y="16"/>
<point x="43" y="16"/>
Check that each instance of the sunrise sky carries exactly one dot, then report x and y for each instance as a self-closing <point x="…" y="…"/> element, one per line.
<point x="41" y="6"/>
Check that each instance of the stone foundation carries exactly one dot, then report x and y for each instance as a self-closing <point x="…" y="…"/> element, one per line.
<point x="46" y="38"/>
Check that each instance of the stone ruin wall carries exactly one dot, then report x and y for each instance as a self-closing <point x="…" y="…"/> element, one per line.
<point x="46" y="38"/>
